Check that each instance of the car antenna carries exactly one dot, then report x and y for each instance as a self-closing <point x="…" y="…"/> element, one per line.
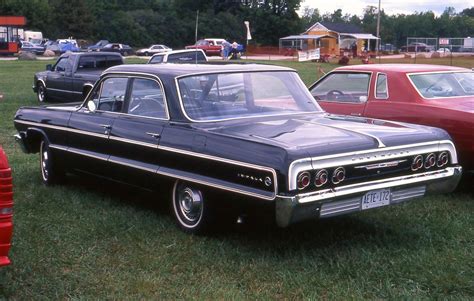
<point x="196" y="36"/>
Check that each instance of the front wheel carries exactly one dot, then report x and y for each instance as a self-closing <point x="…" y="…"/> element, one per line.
<point x="191" y="209"/>
<point x="41" y="92"/>
<point x="51" y="173"/>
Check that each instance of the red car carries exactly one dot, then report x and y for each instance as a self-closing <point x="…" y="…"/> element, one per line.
<point x="209" y="46"/>
<point x="439" y="96"/>
<point x="6" y="208"/>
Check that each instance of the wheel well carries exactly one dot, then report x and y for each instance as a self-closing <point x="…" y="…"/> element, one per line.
<point x="34" y="140"/>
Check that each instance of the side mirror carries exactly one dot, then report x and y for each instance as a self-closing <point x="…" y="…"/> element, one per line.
<point x="91" y="106"/>
<point x="49" y="67"/>
<point x="363" y="98"/>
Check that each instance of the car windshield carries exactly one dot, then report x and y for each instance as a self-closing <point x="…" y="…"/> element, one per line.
<point x="215" y="97"/>
<point x="439" y="85"/>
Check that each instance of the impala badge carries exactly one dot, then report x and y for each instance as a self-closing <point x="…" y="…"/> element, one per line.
<point x="381" y="165"/>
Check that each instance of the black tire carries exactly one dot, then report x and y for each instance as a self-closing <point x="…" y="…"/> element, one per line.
<point x="191" y="209"/>
<point x="41" y="93"/>
<point x="51" y="172"/>
<point x="147" y="54"/>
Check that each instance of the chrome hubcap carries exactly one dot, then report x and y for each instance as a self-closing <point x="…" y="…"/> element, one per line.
<point x="190" y="204"/>
<point x="44" y="162"/>
<point x="41" y="93"/>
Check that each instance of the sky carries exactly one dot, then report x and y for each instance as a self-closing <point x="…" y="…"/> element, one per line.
<point x="355" y="7"/>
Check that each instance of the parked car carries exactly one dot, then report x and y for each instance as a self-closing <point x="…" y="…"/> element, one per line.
<point x="417" y="47"/>
<point x="6" y="208"/>
<point x="73" y="75"/>
<point x="120" y="48"/>
<point x="153" y="49"/>
<point x="233" y="133"/>
<point x="52" y="46"/>
<point x="444" y="50"/>
<point x="209" y="46"/>
<point x="439" y="96"/>
<point x="97" y="46"/>
<point x="68" y="45"/>
<point x="27" y="46"/>
<point x="179" y="56"/>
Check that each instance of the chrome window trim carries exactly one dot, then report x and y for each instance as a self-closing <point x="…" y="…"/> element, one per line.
<point x="371" y="73"/>
<point x="376" y="84"/>
<point x="129" y="75"/>
<point x="181" y="104"/>
<point x="166" y="148"/>
<point x="436" y="72"/>
<point x="364" y="156"/>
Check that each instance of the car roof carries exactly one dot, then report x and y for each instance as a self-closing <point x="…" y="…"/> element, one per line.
<point x="400" y="68"/>
<point x="188" y="69"/>
<point x="178" y="51"/>
<point x="103" y="53"/>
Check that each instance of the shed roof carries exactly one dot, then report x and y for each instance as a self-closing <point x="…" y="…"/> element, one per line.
<point x="305" y="36"/>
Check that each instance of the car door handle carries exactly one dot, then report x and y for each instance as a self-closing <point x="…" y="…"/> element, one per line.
<point x="106" y="126"/>
<point x="154" y="135"/>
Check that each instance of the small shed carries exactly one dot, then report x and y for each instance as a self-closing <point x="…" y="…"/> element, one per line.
<point x="333" y="39"/>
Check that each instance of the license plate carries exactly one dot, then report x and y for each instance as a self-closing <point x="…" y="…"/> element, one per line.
<point x="375" y="198"/>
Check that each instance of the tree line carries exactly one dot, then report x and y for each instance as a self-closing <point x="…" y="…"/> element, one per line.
<point x="172" y="22"/>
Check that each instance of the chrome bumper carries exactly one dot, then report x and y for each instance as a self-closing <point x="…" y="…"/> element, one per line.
<point x="20" y="139"/>
<point x="347" y="199"/>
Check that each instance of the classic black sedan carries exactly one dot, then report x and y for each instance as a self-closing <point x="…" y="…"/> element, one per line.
<point x="220" y="134"/>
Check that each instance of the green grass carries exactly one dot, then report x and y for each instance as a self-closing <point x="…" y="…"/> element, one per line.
<point x="89" y="240"/>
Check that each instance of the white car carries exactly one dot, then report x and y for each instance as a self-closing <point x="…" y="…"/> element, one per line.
<point x="179" y="56"/>
<point x="153" y="49"/>
<point x="443" y="50"/>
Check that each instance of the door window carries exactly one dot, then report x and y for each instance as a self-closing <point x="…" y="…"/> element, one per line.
<point x="343" y="87"/>
<point x="110" y="95"/>
<point x="146" y="99"/>
<point x="381" y="89"/>
<point x="61" y="65"/>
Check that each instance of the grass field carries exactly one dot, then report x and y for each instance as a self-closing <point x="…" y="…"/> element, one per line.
<point x="91" y="240"/>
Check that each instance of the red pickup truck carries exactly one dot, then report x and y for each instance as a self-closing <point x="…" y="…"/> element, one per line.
<point x="209" y="46"/>
<point x="6" y="208"/>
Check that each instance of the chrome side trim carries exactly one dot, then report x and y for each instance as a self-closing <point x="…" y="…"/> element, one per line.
<point x="378" y="184"/>
<point x="62" y="128"/>
<point x="125" y="140"/>
<point x="365" y="156"/>
<point x="66" y="91"/>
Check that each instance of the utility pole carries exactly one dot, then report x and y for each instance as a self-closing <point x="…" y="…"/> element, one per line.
<point x="377" y="43"/>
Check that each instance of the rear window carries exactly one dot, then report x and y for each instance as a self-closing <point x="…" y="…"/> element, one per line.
<point x="99" y="62"/>
<point x="441" y="85"/>
<point x="186" y="57"/>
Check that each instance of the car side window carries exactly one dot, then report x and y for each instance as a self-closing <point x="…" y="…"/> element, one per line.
<point x="86" y="62"/>
<point x="381" y="87"/>
<point x="61" y="65"/>
<point x="146" y="99"/>
<point x="112" y="94"/>
<point x="343" y="87"/>
<point x="156" y="59"/>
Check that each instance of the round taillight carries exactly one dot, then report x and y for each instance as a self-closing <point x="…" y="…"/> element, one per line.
<point x="430" y="161"/>
<point x="303" y="180"/>
<point x="338" y="175"/>
<point x="321" y="178"/>
<point x="417" y="163"/>
<point x="443" y="159"/>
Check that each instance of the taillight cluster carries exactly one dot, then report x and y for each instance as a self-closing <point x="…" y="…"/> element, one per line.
<point x="6" y="193"/>
<point x="429" y="161"/>
<point x="321" y="177"/>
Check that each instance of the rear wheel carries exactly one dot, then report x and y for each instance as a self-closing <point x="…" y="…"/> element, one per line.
<point x="147" y="54"/>
<point x="191" y="208"/>
<point x="41" y="92"/>
<point x="51" y="173"/>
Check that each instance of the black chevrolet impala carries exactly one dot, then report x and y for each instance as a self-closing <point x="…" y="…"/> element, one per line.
<point x="223" y="134"/>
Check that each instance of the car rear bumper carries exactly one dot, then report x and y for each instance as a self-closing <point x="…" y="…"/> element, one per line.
<point x="347" y="199"/>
